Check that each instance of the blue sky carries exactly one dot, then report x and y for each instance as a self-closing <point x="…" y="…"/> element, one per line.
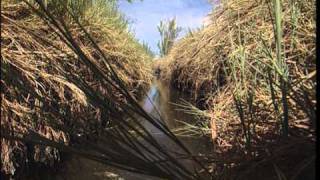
<point x="145" y="16"/>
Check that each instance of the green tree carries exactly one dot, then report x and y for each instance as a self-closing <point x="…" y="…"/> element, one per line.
<point x="169" y="32"/>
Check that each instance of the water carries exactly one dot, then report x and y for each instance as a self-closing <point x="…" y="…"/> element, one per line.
<point x="159" y="103"/>
<point x="163" y="104"/>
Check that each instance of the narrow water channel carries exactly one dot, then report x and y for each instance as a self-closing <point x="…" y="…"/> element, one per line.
<point x="160" y="101"/>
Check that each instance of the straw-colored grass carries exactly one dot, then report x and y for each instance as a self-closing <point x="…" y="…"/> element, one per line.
<point x="254" y="65"/>
<point x="37" y="79"/>
<point x="79" y="78"/>
<point x="235" y="53"/>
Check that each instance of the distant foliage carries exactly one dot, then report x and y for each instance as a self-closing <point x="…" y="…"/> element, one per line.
<point x="169" y="32"/>
<point x="147" y="48"/>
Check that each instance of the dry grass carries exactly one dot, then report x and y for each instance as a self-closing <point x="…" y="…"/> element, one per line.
<point x="38" y="72"/>
<point x="68" y="74"/>
<point x="230" y="57"/>
<point x="235" y="66"/>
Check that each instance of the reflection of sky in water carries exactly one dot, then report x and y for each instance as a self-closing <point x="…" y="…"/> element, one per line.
<point x="152" y="94"/>
<point x="147" y="14"/>
<point x="162" y="98"/>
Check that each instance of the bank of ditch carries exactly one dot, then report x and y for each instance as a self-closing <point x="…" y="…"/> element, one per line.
<point x="252" y="71"/>
<point x="251" y="74"/>
<point x="39" y="71"/>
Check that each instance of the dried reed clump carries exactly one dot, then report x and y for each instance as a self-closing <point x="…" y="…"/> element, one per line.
<point x="37" y="80"/>
<point x="253" y="81"/>
<point x="232" y="64"/>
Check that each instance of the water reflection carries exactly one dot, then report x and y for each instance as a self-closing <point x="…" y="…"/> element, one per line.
<point x="158" y="103"/>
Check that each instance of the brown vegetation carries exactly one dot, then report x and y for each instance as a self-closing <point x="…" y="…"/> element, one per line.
<point x="233" y="65"/>
<point x="37" y="75"/>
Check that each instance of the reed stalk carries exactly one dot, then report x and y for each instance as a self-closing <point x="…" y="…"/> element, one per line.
<point x="281" y="64"/>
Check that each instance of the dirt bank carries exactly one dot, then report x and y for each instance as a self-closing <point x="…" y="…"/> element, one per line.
<point x="38" y="72"/>
<point x="250" y="86"/>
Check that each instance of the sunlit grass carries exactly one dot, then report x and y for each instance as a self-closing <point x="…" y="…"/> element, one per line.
<point x="80" y="80"/>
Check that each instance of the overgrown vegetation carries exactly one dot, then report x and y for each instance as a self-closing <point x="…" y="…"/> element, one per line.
<point x="71" y="74"/>
<point x="56" y="82"/>
<point x="254" y="67"/>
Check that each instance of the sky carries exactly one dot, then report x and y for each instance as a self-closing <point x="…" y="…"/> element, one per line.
<point x="145" y="16"/>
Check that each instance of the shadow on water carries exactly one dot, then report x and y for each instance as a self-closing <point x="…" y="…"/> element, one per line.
<point x="158" y="103"/>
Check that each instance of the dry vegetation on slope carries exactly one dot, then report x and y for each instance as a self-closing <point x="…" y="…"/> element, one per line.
<point x="37" y="79"/>
<point x="248" y="86"/>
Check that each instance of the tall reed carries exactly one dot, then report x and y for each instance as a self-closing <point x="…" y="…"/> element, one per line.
<point x="169" y="31"/>
<point x="254" y="66"/>
<point x="94" y="77"/>
<point x="281" y="64"/>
